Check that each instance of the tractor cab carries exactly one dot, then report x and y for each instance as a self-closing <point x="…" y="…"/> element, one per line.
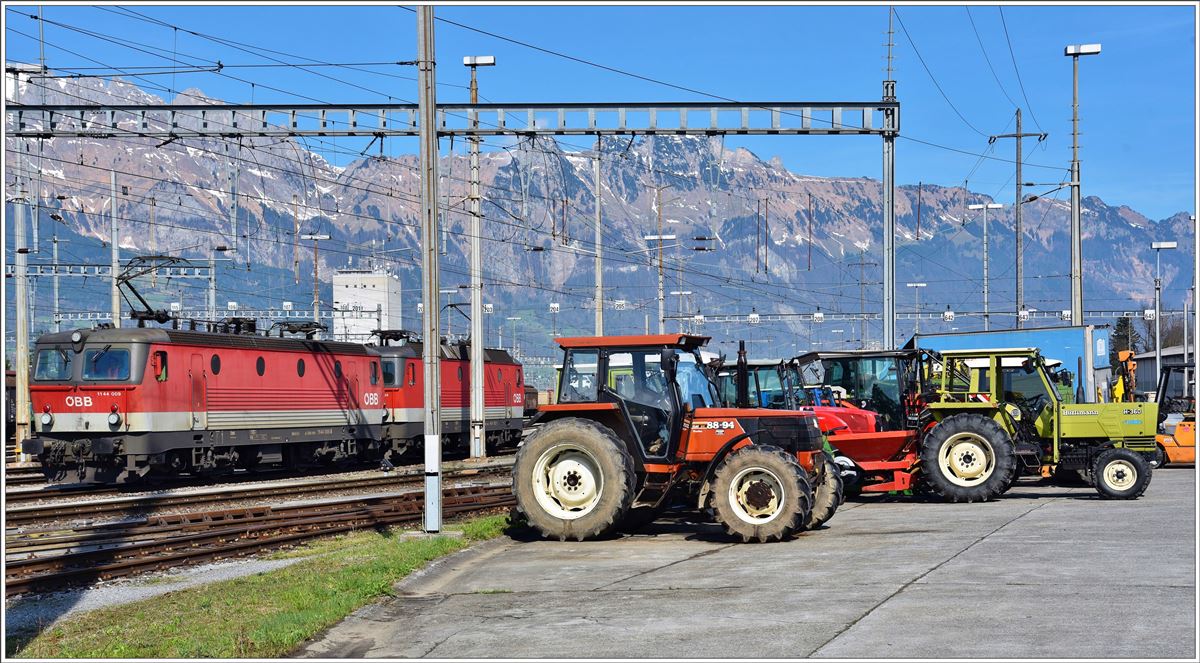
<point x="647" y="381"/>
<point x="886" y="382"/>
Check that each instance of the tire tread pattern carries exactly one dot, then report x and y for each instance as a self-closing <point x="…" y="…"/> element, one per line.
<point x="789" y="471"/>
<point x="1003" y="475"/>
<point x="609" y="452"/>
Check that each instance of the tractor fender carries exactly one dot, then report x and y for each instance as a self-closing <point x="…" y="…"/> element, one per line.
<point x="725" y="450"/>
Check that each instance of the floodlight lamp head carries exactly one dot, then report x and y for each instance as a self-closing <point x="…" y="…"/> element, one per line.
<point x="1082" y="49"/>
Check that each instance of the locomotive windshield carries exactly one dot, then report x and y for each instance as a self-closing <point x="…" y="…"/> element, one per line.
<point x="52" y="364"/>
<point x="107" y="363"/>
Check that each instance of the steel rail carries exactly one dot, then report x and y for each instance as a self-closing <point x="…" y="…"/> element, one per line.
<point x="137" y="504"/>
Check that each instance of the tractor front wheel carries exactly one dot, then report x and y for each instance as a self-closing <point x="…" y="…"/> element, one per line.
<point x="827" y="491"/>
<point x="968" y="458"/>
<point x="573" y="479"/>
<point x="761" y="494"/>
<point x="1121" y="474"/>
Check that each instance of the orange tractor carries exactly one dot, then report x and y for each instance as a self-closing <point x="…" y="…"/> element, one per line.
<point x="639" y="424"/>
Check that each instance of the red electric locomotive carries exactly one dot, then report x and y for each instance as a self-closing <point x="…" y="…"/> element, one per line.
<point x="404" y="392"/>
<point x="114" y="405"/>
<point x="117" y="404"/>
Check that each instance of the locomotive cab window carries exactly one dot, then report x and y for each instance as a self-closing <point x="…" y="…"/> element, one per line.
<point x="389" y="373"/>
<point x="52" y="364"/>
<point x="374" y="373"/>
<point x="412" y="373"/>
<point x="106" y="363"/>
<point x="158" y="363"/>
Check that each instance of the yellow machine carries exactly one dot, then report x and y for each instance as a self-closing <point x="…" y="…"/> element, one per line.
<point x="1126" y="377"/>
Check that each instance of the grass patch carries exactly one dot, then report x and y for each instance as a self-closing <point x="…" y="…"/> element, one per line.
<point x="264" y="615"/>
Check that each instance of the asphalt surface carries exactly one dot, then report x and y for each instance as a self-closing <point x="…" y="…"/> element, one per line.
<point x="1043" y="572"/>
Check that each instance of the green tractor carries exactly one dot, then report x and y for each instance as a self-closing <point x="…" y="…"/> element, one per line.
<point x="994" y="415"/>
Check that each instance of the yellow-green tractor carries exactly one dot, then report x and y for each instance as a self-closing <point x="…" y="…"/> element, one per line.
<point x="993" y="415"/>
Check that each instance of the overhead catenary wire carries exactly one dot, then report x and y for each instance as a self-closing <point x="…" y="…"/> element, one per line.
<point x="1020" y="82"/>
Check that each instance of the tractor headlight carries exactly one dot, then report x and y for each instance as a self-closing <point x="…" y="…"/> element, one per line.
<point x="47" y="419"/>
<point x="114" y="419"/>
<point x="1013" y="411"/>
<point x="76" y="336"/>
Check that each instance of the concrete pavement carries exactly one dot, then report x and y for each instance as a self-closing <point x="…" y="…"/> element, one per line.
<point x="1042" y="572"/>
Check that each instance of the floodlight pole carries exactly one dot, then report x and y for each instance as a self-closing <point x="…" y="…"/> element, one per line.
<point x="1074" y="51"/>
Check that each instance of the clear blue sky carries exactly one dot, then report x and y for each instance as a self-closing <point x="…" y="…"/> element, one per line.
<point x="1137" y="98"/>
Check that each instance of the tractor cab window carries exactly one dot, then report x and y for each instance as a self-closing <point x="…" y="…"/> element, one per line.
<point x="639" y="380"/>
<point x="53" y="364"/>
<point x="578" y="380"/>
<point x="879" y="389"/>
<point x="694" y="384"/>
<point x="107" y="363"/>
<point x="1024" y="387"/>
<point x="769" y="387"/>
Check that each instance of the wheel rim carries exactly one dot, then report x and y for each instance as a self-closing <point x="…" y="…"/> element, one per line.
<point x="1120" y="474"/>
<point x="567" y="481"/>
<point x="967" y="459"/>
<point x="756" y="495"/>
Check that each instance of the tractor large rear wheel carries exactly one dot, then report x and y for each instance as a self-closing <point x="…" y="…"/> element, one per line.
<point x="761" y="494"/>
<point x="827" y="491"/>
<point x="573" y="479"/>
<point x="968" y="458"/>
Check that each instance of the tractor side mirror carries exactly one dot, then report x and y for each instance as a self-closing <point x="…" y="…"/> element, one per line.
<point x="669" y="360"/>
<point x="1027" y="366"/>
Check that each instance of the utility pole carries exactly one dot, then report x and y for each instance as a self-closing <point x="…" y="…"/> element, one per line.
<point x="986" y="311"/>
<point x="115" y="252"/>
<point x="1074" y="52"/>
<point x="316" y="240"/>
<point x="891" y="130"/>
<point x="153" y="244"/>
<point x="920" y="188"/>
<point x="766" y="235"/>
<point x="212" y="288"/>
<point x="1158" y="249"/>
<point x="431" y="332"/>
<point x="478" y="425"/>
<point x="662" y="314"/>
<point x="54" y="281"/>
<point x="862" y="296"/>
<point x="599" y="245"/>
<point x="917" y="305"/>
<point x="22" y="304"/>
<point x="810" y="235"/>
<point x="1018" y="205"/>
<point x="296" y="237"/>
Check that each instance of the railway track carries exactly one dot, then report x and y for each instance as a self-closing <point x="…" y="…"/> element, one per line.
<point x="138" y="505"/>
<point x="52" y="559"/>
<point x="23" y="478"/>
